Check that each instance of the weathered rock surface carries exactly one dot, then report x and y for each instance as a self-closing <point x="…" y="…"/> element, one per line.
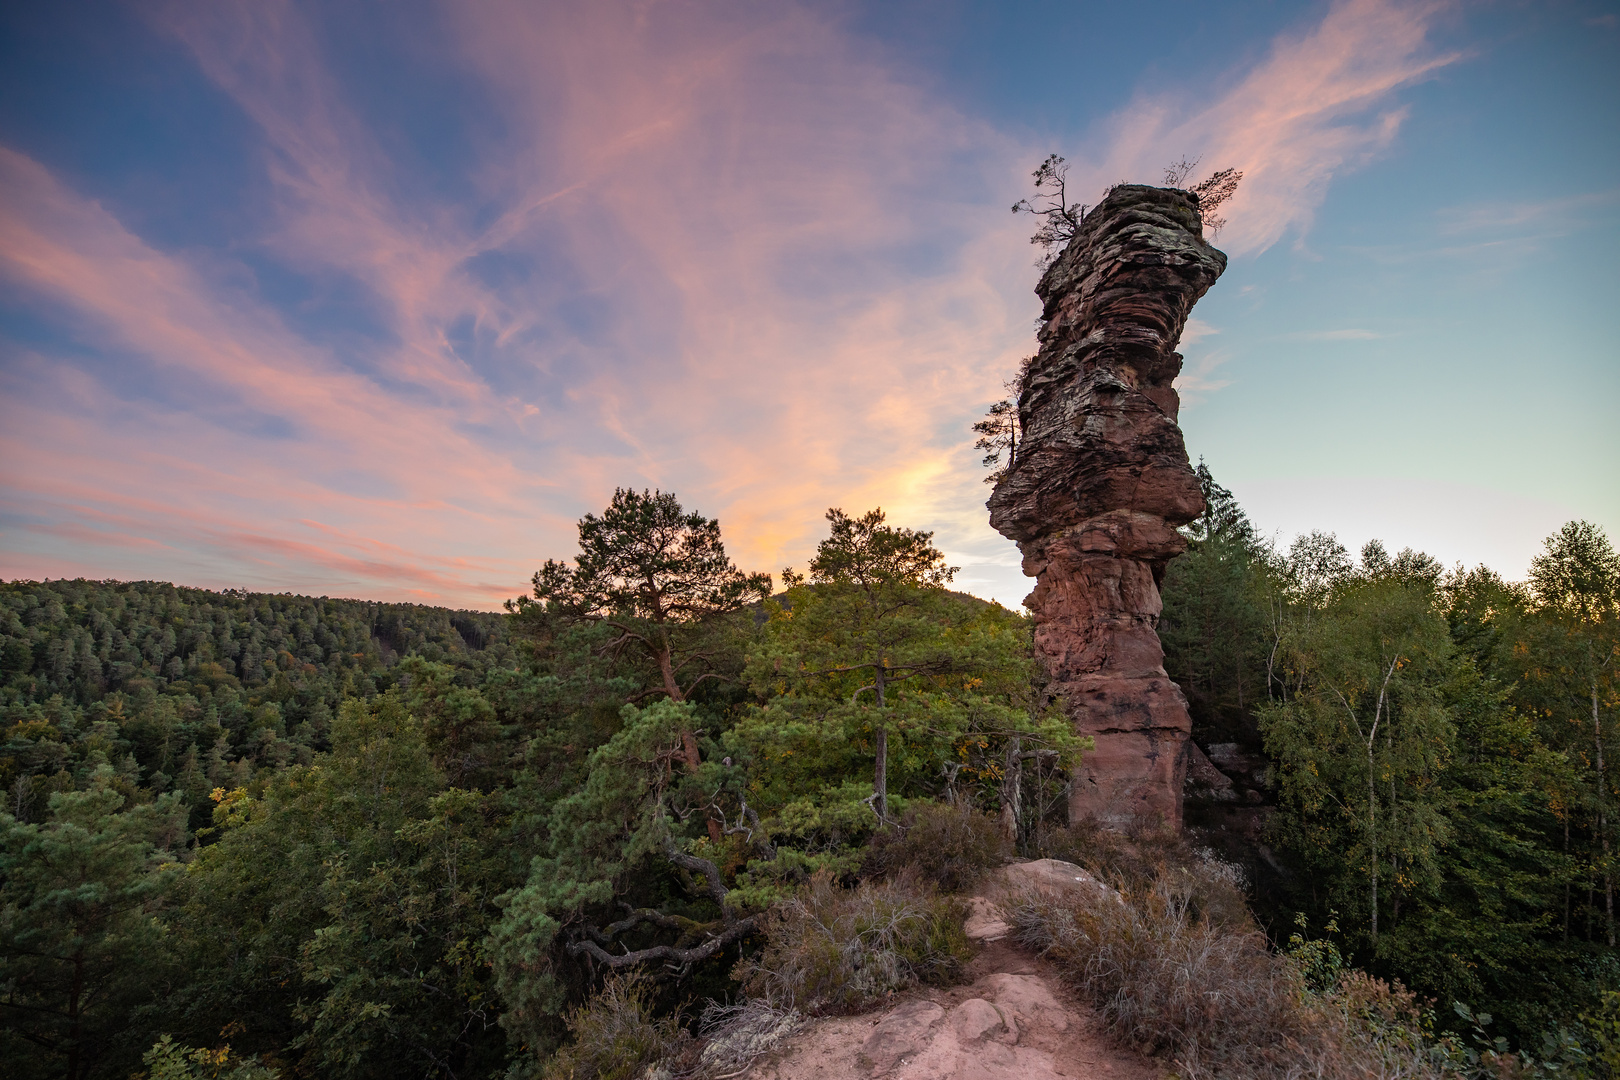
<point x="1006" y="1025"/>
<point x="985" y="922"/>
<point x="1204" y="780"/>
<point x="1051" y="876"/>
<point x="1014" y="1019"/>
<point x="1099" y="483"/>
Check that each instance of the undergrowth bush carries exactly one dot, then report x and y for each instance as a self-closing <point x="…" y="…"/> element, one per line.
<point x="1167" y="979"/>
<point x="617" y="1037"/>
<point x="831" y="949"/>
<point x="950" y="844"/>
<point x="1180" y="969"/>
<point x="1135" y="858"/>
<point x="168" y="1060"/>
<point x="736" y="1035"/>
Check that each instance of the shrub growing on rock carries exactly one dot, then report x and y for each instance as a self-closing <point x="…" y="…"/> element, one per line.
<point x="1134" y="860"/>
<point x="1179" y="969"/>
<point x="736" y="1035"/>
<point x="1167" y="980"/>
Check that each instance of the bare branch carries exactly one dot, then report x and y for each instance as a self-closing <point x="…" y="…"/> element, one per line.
<point x="711" y="873"/>
<point x="681" y="959"/>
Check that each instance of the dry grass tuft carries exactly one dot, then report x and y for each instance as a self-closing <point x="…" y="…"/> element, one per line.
<point x="1136" y="858"/>
<point x="950" y="844"/>
<point x="616" y="1036"/>
<point x="1180" y="970"/>
<point x="832" y="949"/>
<point x="736" y="1035"/>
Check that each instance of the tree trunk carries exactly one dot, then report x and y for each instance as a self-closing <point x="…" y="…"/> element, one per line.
<point x="880" y="772"/>
<point x="1566" y="879"/>
<point x="75" y="1019"/>
<point x="666" y="671"/>
<point x="689" y="747"/>
<point x="1372" y="836"/>
<point x="1389" y="812"/>
<point x="1012" y="790"/>
<point x="1603" y="817"/>
<point x="880" y="776"/>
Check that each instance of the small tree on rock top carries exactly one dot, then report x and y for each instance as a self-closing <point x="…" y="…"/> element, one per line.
<point x="1060" y="219"/>
<point x="1212" y="191"/>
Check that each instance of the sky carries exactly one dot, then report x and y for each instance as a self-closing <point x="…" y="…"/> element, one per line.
<point x="377" y="299"/>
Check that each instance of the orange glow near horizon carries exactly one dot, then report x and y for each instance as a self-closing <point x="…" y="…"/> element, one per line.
<point x="731" y="256"/>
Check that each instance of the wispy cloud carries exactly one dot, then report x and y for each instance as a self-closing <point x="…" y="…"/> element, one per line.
<point x="1556" y="216"/>
<point x="1336" y="335"/>
<point x="1199" y="379"/>
<point x="721" y="249"/>
<point x="1320" y="103"/>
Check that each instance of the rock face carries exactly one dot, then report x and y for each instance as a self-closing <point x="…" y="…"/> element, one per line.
<point x="1100" y="481"/>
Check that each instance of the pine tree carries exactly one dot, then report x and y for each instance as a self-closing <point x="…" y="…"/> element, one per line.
<point x="659" y="578"/>
<point x="870" y="657"/>
<point x="79" y="941"/>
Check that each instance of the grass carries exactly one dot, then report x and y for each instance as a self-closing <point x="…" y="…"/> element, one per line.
<point x="736" y="1035"/>
<point x="1180" y="970"/>
<point x="833" y="950"/>
<point x="617" y="1037"/>
<point x="950" y="844"/>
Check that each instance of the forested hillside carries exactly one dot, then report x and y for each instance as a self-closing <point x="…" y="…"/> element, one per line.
<point x="192" y="689"/>
<point x="370" y="840"/>
<point x="250" y="835"/>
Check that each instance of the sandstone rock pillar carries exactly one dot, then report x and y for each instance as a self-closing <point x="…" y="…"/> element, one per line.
<point x="1100" y="481"/>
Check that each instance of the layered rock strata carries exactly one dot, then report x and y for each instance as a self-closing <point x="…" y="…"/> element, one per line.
<point x="1100" y="481"/>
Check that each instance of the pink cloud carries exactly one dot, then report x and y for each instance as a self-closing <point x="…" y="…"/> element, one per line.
<point x="741" y="188"/>
<point x="1319" y="104"/>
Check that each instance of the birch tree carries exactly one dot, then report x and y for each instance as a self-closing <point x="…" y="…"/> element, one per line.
<point x="1360" y="746"/>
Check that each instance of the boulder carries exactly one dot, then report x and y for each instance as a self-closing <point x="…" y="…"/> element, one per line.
<point x="977" y="1019"/>
<point x="1027" y="1000"/>
<point x="1204" y="780"/>
<point x="1051" y="876"/>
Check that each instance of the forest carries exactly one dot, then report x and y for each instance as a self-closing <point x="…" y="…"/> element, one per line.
<point x="252" y="835"/>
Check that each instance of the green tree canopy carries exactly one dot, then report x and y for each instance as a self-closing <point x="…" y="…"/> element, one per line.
<point x="1360" y="743"/>
<point x="80" y="940"/>
<point x="870" y="647"/>
<point x="1575" y="646"/>
<point x="659" y="577"/>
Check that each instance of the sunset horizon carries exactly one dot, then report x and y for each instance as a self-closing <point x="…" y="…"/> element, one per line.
<point x="378" y="305"/>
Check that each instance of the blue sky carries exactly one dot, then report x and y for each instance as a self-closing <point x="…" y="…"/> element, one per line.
<point x="377" y="299"/>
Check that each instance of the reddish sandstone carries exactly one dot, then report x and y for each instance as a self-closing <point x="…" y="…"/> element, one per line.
<point x="1100" y="481"/>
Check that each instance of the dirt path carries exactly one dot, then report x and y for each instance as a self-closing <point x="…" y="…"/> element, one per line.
<point x="1013" y="1020"/>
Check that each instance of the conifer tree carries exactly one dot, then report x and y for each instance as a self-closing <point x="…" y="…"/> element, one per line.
<point x="79" y="940"/>
<point x="1575" y="583"/>
<point x="660" y="578"/>
<point x="870" y="646"/>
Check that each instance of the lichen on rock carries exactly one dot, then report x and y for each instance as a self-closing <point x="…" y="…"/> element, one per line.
<point x="1099" y="483"/>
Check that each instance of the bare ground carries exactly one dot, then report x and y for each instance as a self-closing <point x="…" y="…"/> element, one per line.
<point x="1012" y="1020"/>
